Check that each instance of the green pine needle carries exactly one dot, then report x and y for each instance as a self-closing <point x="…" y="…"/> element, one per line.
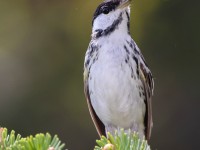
<point x="38" y="142"/>
<point x="122" y="141"/>
<point x="119" y="141"/>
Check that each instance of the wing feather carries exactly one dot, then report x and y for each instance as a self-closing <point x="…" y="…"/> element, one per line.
<point x="147" y="81"/>
<point x="97" y="122"/>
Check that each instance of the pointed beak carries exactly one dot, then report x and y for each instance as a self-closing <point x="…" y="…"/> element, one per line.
<point x="124" y="3"/>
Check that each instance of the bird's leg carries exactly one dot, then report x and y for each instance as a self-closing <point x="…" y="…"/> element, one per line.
<point x="111" y="129"/>
<point x="139" y="129"/>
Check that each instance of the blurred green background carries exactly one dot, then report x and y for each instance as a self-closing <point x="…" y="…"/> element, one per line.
<point x="42" y="48"/>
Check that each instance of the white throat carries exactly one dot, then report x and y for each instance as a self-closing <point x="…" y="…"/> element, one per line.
<point x="114" y="25"/>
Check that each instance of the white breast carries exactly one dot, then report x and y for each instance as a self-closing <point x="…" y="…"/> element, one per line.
<point x="114" y="93"/>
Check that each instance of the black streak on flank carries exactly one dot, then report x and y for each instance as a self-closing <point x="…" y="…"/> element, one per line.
<point x="132" y="75"/>
<point x="135" y="59"/>
<point x="109" y="29"/>
<point x="135" y="50"/>
<point x="140" y="94"/>
<point x="92" y="50"/>
<point x="137" y="64"/>
<point x="130" y="44"/>
<point x="127" y="51"/>
<point x="92" y="55"/>
<point x="146" y="115"/>
<point x="87" y="62"/>
<point x="144" y="61"/>
<point x="126" y="61"/>
<point x="128" y="23"/>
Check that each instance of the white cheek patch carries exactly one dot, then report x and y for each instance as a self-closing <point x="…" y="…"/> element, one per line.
<point x="105" y="20"/>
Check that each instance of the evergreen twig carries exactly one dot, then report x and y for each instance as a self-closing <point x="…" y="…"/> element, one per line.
<point x="122" y="141"/>
<point x="38" y="142"/>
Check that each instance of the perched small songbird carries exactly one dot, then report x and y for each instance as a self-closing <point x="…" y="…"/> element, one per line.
<point x="118" y="83"/>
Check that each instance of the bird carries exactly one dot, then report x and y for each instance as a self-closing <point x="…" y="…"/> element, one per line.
<point x="118" y="83"/>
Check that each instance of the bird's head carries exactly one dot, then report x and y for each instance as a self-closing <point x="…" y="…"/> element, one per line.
<point x="109" y="15"/>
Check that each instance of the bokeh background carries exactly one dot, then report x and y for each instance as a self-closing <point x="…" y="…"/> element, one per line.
<point x="42" y="47"/>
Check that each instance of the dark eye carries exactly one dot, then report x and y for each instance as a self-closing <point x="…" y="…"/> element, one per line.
<point x="105" y="10"/>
